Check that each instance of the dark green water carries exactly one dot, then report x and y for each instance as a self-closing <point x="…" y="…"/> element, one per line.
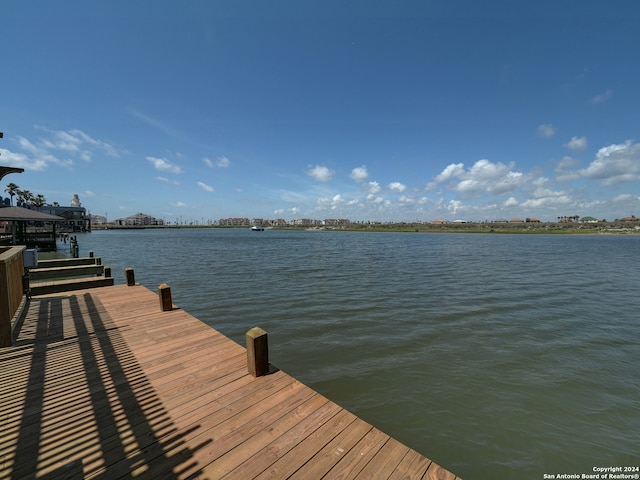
<point x="497" y="356"/>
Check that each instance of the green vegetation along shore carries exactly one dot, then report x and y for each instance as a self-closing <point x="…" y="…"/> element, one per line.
<point x="615" y="227"/>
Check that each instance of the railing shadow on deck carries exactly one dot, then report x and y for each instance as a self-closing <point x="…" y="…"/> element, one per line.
<point x="89" y="410"/>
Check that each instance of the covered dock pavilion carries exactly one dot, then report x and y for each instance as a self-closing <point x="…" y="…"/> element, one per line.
<point x="41" y="234"/>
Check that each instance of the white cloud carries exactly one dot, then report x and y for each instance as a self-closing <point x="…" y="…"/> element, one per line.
<point x="546" y="201"/>
<point x="89" y="193"/>
<point x="359" y="174"/>
<point x="511" y="202"/>
<point x="603" y="97"/>
<point x="507" y="183"/>
<point x="483" y="176"/>
<point x="205" y="187"/>
<point x="564" y="169"/>
<point x="320" y="173"/>
<point x="221" y="162"/>
<point x="63" y="141"/>
<point x="623" y="197"/>
<point x="616" y="163"/>
<point x="577" y="144"/>
<point x="166" y="180"/>
<point x="545" y="192"/>
<point x="154" y="122"/>
<point x="76" y="142"/>
<point x="332" y="203"/>
<point x="372" y="188"/>
<point x="450" y="171"/>
<point x="292" y="211"/>
<point x="406" y="200"/>
<point x="486" y="170"/>
<point x="178" y="204"/>
<point x="546" y="130"/>
<point x="454" y="206"/>
<point x="397" y="187"/>
<point x="164" y="165"/>
<point x="20" y="160"/>
<point x="566" y="163"/>
<point x="41" y="154"/>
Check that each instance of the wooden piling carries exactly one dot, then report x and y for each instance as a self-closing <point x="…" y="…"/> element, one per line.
<point x="107" y="271"/>
<point x="164" y="292"/>
<point x="131" y="278"/>
<point x="257" y="352"/>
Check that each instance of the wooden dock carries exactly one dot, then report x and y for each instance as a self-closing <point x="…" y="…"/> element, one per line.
<point x="66" y="274"/>
<point x="100" y="383"/>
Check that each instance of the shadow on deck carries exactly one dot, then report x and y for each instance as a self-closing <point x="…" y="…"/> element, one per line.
<point x="77" y="403"/>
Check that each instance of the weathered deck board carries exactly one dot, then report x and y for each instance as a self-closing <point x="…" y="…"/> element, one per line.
<point x="101" y="383"/>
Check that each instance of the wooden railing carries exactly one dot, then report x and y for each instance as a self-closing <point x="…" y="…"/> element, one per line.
<point x="11" y="289"/>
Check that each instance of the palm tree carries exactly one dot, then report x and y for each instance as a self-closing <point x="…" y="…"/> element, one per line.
<point x="25" y="196"/>
<point x="39" y="200"/>
<point x="12" y="189"/>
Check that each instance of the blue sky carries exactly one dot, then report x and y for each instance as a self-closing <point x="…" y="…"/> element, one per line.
<point x="369" y="110"/>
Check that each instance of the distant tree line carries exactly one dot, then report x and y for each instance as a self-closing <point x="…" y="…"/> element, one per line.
<point x="25" y="196"/>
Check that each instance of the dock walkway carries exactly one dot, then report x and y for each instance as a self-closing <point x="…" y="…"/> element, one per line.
<point x="100" y="383"/>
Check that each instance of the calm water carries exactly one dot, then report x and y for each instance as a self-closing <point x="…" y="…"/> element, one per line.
<point x="497" y="356"/>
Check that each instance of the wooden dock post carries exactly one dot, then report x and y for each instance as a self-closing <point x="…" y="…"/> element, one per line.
<point x="164" y="292"/>
<point x="107" y="271"/>
<point x="257" y="352"/>
<point x="131" y="278"/>
<point x="90" y="253"/>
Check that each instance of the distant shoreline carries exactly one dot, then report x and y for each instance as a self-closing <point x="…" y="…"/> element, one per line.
<point x="620" y="227"/>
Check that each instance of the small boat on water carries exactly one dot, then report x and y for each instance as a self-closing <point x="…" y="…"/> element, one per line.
<point x="257" y="228"/>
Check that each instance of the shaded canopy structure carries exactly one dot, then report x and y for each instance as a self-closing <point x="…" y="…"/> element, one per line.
<point x="7" y="170"/>
<point x="19" y="217"/>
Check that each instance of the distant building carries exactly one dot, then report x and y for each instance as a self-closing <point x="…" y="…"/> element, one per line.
<point x="531" y="220"/>
<point x="278" y="222"/>
<point x="75" y="215"/>
<point x="306" y="222"/>
<point x="98" y="219"/>
<point x="139" y="220"/>
<point x="75" y="201"/>
<point x="234" y="222"/>
<point x="336" y="221"/>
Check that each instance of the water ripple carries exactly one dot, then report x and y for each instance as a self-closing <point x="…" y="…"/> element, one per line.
<point x="498" y="356"/>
